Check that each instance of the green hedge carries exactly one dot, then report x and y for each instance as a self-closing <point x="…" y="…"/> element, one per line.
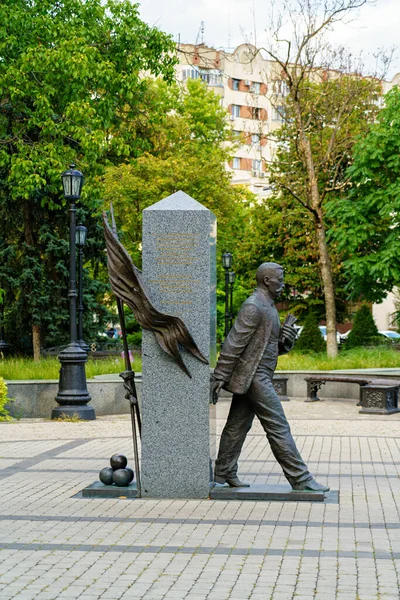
<point x="4" y="415"/>
<point x="364" y="331"/>
<point x="310" y="339"/>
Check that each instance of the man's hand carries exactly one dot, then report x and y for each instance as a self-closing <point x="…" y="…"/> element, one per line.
<point x="215" y="388"/>
<point x="289" y="333"/>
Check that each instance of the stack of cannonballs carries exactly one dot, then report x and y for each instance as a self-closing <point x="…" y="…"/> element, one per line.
<point x="118" y="473"/>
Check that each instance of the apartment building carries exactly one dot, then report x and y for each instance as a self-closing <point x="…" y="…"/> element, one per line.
<point x="254" y="108"/>
<point x="253" y="91"/>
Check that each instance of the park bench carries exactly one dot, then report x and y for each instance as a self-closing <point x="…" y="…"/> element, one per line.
<point x="280" y="385"/>
<point x="377" y="395"/>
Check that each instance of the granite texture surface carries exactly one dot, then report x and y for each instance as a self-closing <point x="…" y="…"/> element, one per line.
<point x="179" y="237"/>
<point x="99" y="490"/>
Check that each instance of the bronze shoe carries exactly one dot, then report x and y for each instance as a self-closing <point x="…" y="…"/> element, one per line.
<point x="235" y="482"/>
<point x="310" y="485"/>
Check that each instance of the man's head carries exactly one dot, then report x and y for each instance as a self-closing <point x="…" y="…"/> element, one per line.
<point x="270" y="277"/>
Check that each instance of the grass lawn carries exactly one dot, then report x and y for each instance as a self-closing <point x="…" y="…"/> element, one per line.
<point x="358" y="358"/>
<point x="48" y="368"/>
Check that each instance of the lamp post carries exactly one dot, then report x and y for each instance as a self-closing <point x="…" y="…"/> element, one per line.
<point x="73" y="396"/>
<point x="232" y="277"/>
<point x="80" y="240"/>
<point x="226" y="263"/>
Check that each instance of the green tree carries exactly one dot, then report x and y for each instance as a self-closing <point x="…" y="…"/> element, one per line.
<point x="364" y="331"/>
<point x="282" y="231"/>
<point x="311" y="339"/>
<point x="36" y="277"/>
<point x="327" y="104"/>
<point x="70" y="83"/>
<point x="333" y="112"/>
<point x="369" y="214"/>
<point x="187" y="151"/>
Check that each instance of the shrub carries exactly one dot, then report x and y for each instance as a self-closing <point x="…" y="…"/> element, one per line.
<point x="4" y="414"/>
<point x="135" y="339"/>
<point x="311" y="339"/>
<point x="364" y="331"/>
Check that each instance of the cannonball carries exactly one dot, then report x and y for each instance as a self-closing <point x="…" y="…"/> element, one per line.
<point x="106" y="476"/>
<point x="118" y="461"/>
<point x="122" y="477"/>
<point x="131" y="472"/>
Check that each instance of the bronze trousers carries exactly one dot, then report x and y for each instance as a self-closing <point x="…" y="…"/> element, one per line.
<point x="262" y="401"/>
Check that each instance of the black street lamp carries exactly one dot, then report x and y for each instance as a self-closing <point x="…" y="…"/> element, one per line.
<point x="73" y="396"/>
<point x="232" y="277"/>
<point x="80" y="240"/>
<point x="226" y="263"/>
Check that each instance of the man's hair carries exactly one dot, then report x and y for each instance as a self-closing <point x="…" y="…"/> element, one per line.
<point x="266" y="270"/>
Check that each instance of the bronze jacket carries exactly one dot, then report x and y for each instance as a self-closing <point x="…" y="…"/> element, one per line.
<point x="246" y="342"/>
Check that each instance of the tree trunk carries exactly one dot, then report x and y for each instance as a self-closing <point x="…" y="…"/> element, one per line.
<point x="324" y="258"/>
<point x="28" y="235"/>
<point x="28" y="230"/>
<point x="329" y="291"/>
<point x="36" y="342"/>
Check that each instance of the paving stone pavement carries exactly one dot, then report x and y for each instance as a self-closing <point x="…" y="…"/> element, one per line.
<point x="55" y="545"/>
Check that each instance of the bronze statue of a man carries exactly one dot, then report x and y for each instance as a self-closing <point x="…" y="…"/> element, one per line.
<point x="245" y="367"/>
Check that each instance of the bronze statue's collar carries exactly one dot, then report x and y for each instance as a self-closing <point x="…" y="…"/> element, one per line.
<point x="264" y="296"/>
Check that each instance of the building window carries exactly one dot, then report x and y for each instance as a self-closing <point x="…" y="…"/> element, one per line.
<point x="235" y="110"/>
<point x="255" y="140"/>
<point x="236" y="134"/>
<point x="236" y="163"/>
<point x="278" y="113"/>
<point x="189" y="74"/>
<point x="209" y="76"/>
<point x="256" y="88"/>
<point x="281" y="88"/>
<point x="256" y="165"/>
<point x="235" y="84"/>
<point x="214" y="78"/>
<point x="255" y="112"/>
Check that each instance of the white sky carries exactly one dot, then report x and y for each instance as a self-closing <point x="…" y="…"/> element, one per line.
<point x="227" y="23"/>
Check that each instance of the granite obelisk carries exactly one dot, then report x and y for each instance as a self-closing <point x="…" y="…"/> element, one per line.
<point x="179" y="238"/>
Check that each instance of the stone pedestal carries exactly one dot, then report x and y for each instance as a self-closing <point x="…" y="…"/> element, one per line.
<point x="280" y="385"/>
<point x="379" y="399"/>
<point x="179" y="237"/>
<point x="270" y="493"/>
<point x="99" y="490"/>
